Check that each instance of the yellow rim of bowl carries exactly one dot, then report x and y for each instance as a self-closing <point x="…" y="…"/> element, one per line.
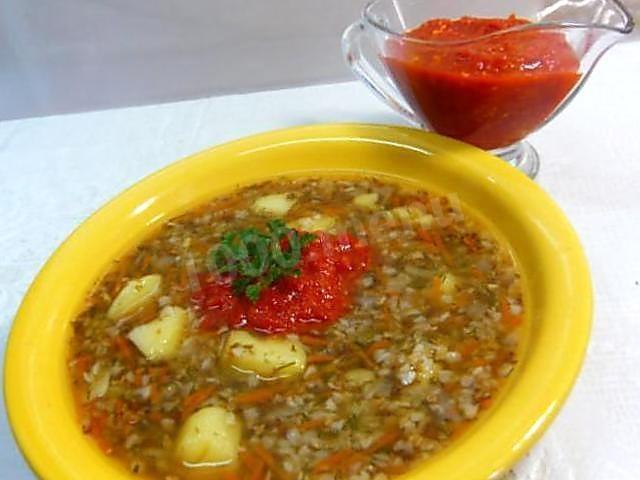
<point x="557" y="284"/>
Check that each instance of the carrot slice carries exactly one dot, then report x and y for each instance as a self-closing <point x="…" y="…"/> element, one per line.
<point x="156" y="416"/>
<point x="435" y="292"/>
<point x="271" y="462"/>
<point x="159" y="374"/>
<point x="395" y="469"/>
<point x="385" y="440"/>
<point x="192" y="401"/>
<point x="509" y="320"/>
<point x="451" y="387"/>
<point x="258" y="395"/>
<point x="378" y="345"/>
<point x="477" y="273"/>
<point x="254" y="465"/>
<point x="184" y="278"/>
<point x="363" y="356"/>
<point x="258" y="473"/>
<point x="310" y="425"/>
<point x="442" y="248"/>
<point x="145" y="262"/>
<point x="313" y="341"/>
<point x="104" y="445"/>
<point x="434" y="243"/>
<point x="468" y="347"/>
<point x="83" y="363"/>
<point x="230" y="475"/>
<point x="333" y="461"/>
<point x="137" y="377"/>
<point x="97" y="424"/>
<point x="480" y="362"/>
<point x="459" y="429"/>
<point x="486" y="403"/>
<point x="320" y="358"/>
<point x="463" y="298"/>
<point x="471" y="241"/>
<point x="124" y="346"/>
<point x="248" y="460"/>
<point x="430" y="243"/>
<point x="356" y="458"/>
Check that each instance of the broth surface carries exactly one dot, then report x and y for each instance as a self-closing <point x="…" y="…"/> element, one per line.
<point x="419" y="346"/>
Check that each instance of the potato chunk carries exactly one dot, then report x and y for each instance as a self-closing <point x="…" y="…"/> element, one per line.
<point x="359" y="376"/>
<point x="314" y="223"/>
<point x="267" y="357"/>
<point x="275" y="205"/>
<point x="412" y="215"/>
<point x="449" y="283"/>
<point x="160" y="339"/>
<point x="99" y="385"/>
<point x="209" y="436"/>
<point x="367" y="200"/>
<point x="135" y="295"/>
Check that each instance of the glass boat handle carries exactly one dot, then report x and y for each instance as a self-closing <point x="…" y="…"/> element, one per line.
<point x="372" y="72"/>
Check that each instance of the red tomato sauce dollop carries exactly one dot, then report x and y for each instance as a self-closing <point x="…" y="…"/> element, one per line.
<point x="491" y="92"/>
<point x="330" y="267"/>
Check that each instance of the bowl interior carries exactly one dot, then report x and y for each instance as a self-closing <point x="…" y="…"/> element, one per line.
<point x="555" y="274"/>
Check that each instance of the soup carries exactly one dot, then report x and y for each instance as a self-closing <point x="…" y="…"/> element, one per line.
<point x="309" y="328"/>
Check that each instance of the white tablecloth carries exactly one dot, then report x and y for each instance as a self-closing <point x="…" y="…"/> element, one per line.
<point x="55" y="171"/>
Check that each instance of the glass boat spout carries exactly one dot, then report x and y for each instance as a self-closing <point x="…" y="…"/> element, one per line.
<point x="592" y="26"/>
<point x="491" y="90"/>
<point x="606" y="14"/>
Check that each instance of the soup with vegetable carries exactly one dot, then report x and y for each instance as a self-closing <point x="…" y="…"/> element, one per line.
<point x="324" y="328"/>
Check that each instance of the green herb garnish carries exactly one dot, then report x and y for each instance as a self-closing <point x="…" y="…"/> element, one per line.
<point x="257" y="259"/>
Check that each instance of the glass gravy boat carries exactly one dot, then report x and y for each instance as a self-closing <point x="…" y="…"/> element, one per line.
<point x="498" y="114"/>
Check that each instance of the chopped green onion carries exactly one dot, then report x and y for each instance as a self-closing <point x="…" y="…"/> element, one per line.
<point x="257" y="259"/>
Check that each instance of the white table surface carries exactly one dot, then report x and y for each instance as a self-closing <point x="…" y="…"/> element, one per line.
<point x="55" y="171"/>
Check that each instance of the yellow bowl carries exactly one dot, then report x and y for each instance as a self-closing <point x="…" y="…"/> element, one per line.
<point x="555" y="273"/>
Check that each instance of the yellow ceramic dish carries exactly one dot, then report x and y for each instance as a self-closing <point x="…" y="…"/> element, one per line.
<point x="556" y="278"/>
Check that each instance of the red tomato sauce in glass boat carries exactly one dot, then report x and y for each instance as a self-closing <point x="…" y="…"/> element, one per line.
<point x="471" y="82"/>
